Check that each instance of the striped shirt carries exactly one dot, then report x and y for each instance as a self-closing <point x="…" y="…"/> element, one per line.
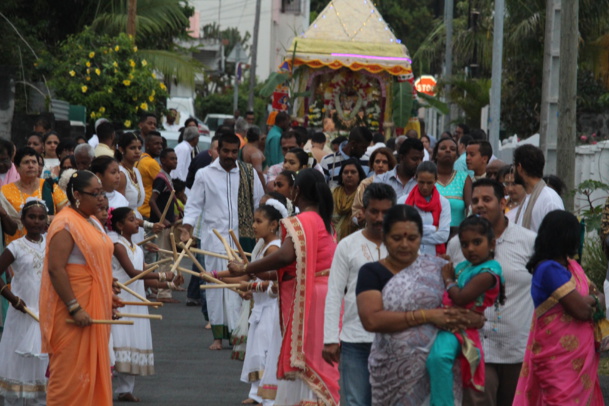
<point x="332" y="163"/>
<point x="506" y="331"/>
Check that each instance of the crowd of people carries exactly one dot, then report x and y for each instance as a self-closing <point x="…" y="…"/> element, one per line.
<point x="402" y="271"/>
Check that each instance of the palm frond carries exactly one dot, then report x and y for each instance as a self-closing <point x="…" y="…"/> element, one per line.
<point x="173" y="65"/>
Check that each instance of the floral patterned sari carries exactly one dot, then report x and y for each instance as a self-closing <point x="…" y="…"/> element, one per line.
<point x="560" y="364"/>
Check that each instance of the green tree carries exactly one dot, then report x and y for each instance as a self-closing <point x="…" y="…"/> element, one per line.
<point x="107" y="75"/>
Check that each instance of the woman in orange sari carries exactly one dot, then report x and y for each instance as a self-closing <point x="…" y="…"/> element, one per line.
<point x="561" y="362"/>
<point x="77" y="285"/>
<point x="303" y="261"/>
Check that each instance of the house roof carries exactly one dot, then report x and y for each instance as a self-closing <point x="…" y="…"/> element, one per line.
<point x="352" y="34"/>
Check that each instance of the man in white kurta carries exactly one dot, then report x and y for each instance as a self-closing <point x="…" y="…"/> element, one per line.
<point x="213" y="204"/>
<point x="186" y="151"/>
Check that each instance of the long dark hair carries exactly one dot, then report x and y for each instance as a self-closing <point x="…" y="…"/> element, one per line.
<point x="313" y="188"/>
<point x="558" y="238"/>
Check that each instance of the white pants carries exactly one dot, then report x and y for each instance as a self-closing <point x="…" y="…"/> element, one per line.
<point x="123" y="383"/>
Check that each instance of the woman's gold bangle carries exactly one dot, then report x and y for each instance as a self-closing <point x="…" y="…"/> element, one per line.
<point x="4" y="287"/>
<point x="423" y="315"/>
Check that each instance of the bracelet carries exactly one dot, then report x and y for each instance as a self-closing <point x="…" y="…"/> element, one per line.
<point x="171" y="285"/>
<point x="4" y="287"/>
<point x="75" y="310"/>
<point x="18" y="303"/>
<point x="412" y="315"/>
<point x="424" y="318"/>
<point x="148" y="225"/>
<point x="70" y="303"/>
<point x="73" y="306"/>
<point x="162" y="277"/>
<point x="452" y="285"/>
<point x="448" y="281"/>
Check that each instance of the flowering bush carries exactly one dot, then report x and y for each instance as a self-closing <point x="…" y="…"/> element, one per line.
<point x="592" y="139"/>
<point x="106" y="75"/>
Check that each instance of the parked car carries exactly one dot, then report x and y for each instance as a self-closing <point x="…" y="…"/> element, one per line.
<point x="215" y="121"/>
<point x="172" y="140"/>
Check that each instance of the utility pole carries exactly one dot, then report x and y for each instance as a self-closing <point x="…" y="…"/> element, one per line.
<point x="449" y="9"/>
<point x="497" y="69"/>
<point x="548" y="118"/>
<point x="567" y="113"/>
<point x="131" y="14"/>
<point x="250" y="99"/>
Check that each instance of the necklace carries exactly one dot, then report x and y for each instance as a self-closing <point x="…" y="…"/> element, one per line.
<point x="33" y="241"/>
<point x="131" y="246"/>
<point x="444" y="184"/>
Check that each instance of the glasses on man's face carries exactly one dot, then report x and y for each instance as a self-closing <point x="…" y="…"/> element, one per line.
<point x="95" y="195"/>
<point x="509" y="184"/>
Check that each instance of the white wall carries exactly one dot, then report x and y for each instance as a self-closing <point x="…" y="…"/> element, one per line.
<point x="277" y="29"/>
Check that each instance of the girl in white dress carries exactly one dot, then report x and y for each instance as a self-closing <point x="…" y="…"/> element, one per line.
<point x="22" y="365"/>
<point x="264" y="320"/>
<point x="131" y="185"/>
<point x="132" y="344"/>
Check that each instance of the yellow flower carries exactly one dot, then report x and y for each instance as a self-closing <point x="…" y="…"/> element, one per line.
<point x="72" y="73"/>
<point x="88" y="78"/>
<point x="115" y="64"/>
<point x="116" y="48"/>
<point x="92" y="115"/>
<point x="153" y="93"/>
<point x="88" y="64"/>
<point x="102" y="109"/>
<point x="144" y="63"/>
<point x="163" y="86"/>
<point x="153" y="75"/>
<point x="127" y="123"/>
<point x="132" y="63"/>
<point x="110" y="90"/>
<point x="91" y="54"/>
<point x="84" y="89"/>
<point x="126" y="82"/>
<point x="151" y="98"/>
<point x="134" y="49"/>
<point x="88" y="71"/>
<point x="144" y="106"/>
<point x="97" y="71"/>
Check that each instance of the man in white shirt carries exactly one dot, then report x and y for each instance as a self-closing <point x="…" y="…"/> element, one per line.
<point x="506" y="331"/>
<point x="402" y="177"/>
<point x="106" y="136"/>
<point x="223" y="197"/>
<point x="352" y="252"/>
<point x="541" y="199"/>
<point x="186" y="151"/>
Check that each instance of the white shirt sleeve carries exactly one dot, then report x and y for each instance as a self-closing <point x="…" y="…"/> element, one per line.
<point x="439" y="236"/>
<point x="194" y="205"/>
<point x="337" y="282"/>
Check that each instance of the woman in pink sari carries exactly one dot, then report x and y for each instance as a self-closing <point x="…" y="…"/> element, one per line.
<point x="303" y="261"/>
<point x="561" y="362"/>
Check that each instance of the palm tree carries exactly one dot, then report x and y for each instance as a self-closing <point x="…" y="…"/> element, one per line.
<point x="159" y="23"/>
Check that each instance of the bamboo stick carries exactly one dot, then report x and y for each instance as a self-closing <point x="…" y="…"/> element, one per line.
<point x="204" y="274"/>
<point x="148" y="239"/>
<point x="225" y="286"/>
<point x="176" y="264"/>
<point x="190" y="272"/>
<point x="141" y="274"/>
<point x="160" y="261"/>
<point x="239" y="247"/>
<point x="126" y="289"/>
<point x="229" y="251"/>
<point x="31" y="313"/>
<point x="124" y="322"/>
<point x="167" y="206"/>
<point x="173" y="247"/>
<point x="155" y="304"/>
<point x="198" y="251"/>
<point x="141" y="316"/>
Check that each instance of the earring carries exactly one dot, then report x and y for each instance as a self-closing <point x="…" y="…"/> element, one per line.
<point x="77" y="204"/>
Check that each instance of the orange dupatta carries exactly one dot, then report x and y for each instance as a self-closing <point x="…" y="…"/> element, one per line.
<point x="79" y="359"/>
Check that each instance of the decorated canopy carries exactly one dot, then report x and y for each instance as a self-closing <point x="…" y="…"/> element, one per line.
<point x="350" y="34"/>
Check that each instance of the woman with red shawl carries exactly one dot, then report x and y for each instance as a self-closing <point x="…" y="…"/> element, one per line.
<point x="303" y="261"/>
<point x="433" y="208"/>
